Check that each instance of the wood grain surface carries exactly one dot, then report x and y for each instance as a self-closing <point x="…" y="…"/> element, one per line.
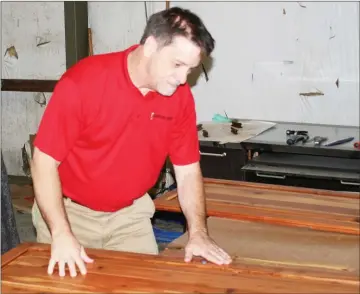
<point x="24" y="271"/>
<point x="289" y="206"/>
<point x="299" y="249"/>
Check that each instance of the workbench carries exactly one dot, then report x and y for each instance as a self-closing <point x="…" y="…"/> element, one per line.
<point x="275" y="162"/>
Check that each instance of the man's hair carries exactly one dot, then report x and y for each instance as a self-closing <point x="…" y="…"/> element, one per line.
<point x="167" y="24"/>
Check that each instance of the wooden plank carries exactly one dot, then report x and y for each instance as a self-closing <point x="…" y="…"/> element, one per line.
<point x="19" y="85"/>
<point x="76" y="31"/>
<point x="295" y="248"/>
<point x="290" y="206"/>
<point x="300" y="190"/>
<point x="14" y="253"/>
<point x="120" y="272"/>
<point x="260" y="267"/>
<point x="6" y="288"/>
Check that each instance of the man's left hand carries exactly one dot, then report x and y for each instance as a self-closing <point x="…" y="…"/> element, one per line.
<point x="200" y="244"/>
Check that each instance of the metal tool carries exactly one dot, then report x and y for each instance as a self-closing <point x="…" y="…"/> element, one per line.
<point x="292" y="132"/>
<point x="339" y="142"/>
<point x="235" y="127"/>
<point x="205" y="133"/>
<point x="318" y="140"/>
<point x="235" y="124"/>
<point x="296" y="136"/>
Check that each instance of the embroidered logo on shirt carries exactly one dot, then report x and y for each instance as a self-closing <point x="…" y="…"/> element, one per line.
<point x="154" y="115"/>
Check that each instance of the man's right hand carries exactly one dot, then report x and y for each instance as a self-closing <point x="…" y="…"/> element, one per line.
<point x="66" y="250"/>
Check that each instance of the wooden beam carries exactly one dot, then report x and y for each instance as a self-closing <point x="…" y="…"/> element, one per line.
<point x="76" y="31"/>
<point x="18" y="85"/>
<point x="167" y="4"/>
<point x="315" y="209"/>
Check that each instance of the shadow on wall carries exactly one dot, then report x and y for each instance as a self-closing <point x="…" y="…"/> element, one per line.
<point x="201" y="72"/>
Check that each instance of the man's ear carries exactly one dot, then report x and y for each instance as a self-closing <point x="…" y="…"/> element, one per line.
<point x="150" y="46"/>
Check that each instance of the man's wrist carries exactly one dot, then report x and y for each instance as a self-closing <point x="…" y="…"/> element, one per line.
<point x="56" y="231"/>
<point x="198" y="231"/>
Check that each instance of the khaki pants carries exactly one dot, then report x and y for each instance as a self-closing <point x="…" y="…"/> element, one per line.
<point x="128" y="229"/>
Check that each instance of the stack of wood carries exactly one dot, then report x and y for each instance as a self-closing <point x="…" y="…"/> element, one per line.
<point x="282" y="239"/>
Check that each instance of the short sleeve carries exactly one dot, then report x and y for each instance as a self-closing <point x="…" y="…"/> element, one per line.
<point x="184" y="141"/>
<point x="61" y="122"/>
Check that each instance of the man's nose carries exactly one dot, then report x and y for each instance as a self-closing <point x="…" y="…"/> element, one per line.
<point x="182" y="77"/>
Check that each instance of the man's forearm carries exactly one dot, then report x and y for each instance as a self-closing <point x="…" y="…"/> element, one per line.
<point x="48" y="193"/>
<point x="191" y="195"/>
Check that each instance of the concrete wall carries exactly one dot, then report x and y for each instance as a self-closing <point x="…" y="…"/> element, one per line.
<point x="266" y="55"/>
<point x="117" y="25"/>
<point x="24" y="26"/>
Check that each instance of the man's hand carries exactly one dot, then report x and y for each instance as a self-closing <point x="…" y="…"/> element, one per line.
<point x="65" y="249"/>
<point x="192" y="201"/>
<point x="200" y="244"/>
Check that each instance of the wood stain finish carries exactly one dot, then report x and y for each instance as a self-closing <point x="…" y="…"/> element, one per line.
<point x="282" y="239"/>
<point x="321" y="210"/>
<point x="24" y="271"/>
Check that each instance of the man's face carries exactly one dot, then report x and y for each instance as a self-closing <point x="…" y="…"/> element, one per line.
<point x="170" y="65"/>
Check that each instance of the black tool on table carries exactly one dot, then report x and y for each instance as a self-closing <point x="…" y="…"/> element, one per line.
<point x="292" y="132"/>
<point x="205" y="133"/>
<point x="339" y="142"/>
<point x="296" y="136"/>
<point x="235" y="126"/>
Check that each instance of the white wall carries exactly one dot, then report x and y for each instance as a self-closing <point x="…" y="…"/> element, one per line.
<point x="24" y="25"/>
<point x="254" y="40"/>
<point x="118" y="25"/>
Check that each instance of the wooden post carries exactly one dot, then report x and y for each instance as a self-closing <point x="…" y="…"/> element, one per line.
<point x="76" y="31"/>
<point x="91" y="52"/>
<point x="167" y="4"/>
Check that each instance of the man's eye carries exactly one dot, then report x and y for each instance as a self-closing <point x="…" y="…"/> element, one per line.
<point x="177" y="64"/>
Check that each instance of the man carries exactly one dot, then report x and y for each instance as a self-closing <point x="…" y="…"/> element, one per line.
<point x="110" y="124"/>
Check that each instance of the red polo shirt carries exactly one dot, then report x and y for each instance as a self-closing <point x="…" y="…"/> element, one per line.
<point x="111" y="140"/>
